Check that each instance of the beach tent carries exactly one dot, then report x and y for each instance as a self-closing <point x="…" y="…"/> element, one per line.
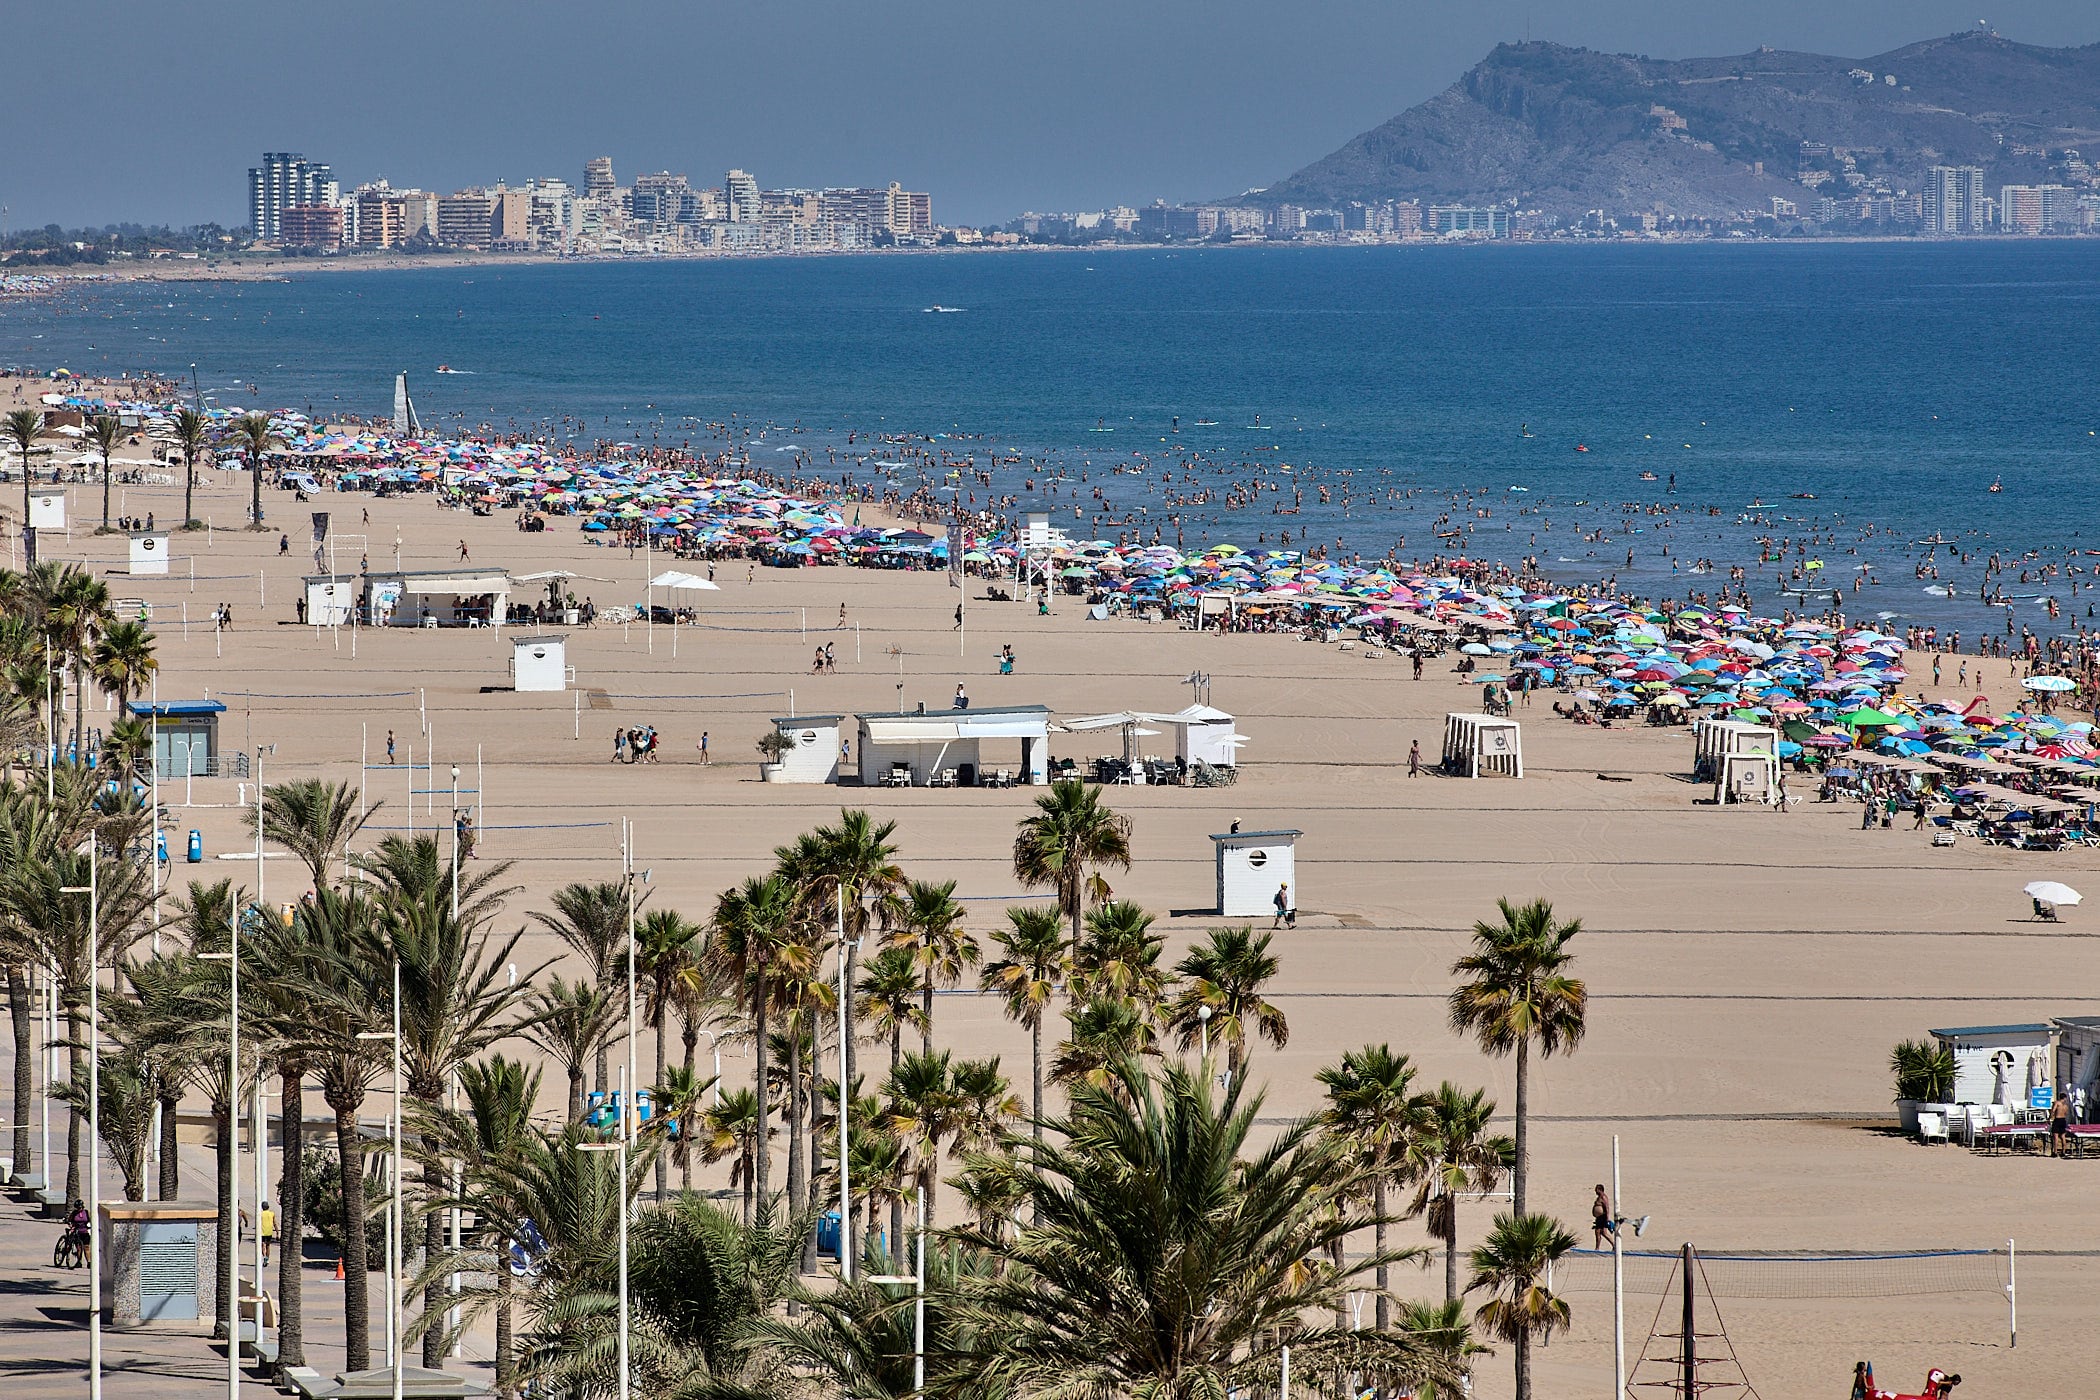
<point x="1714" y="739"/>
<point x="1474" y="744"/>
<point x="1209" y="736"/>
<point x="1132" y="723"/>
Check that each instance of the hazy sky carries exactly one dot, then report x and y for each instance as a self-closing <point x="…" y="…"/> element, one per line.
<point x="124" y="110"/>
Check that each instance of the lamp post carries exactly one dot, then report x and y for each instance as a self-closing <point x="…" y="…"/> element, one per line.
<point x="90" y="889"/>
<point x="393" y="1207"/>
<point x="845" y="1101"/>
<point x="455" y="842"/>
<point x="619" y="1146"/>
<point x="1203" y="1028"/>
<point x="714" y="1047"/>
<point x="629" y="1121"/>
<point x="231" y="1244"/>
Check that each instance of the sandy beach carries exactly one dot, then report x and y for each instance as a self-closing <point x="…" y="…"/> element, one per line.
<point x="1748" y="969"/>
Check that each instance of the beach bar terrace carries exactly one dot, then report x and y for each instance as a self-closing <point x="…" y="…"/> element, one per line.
<point x="465" y="597"/>
<point x="943" y="748"/>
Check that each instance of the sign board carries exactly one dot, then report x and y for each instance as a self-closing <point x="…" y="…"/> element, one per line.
<point x="149" y="554"/>
<point x="2042" y="1096"/>
<point x="47" y="508"/>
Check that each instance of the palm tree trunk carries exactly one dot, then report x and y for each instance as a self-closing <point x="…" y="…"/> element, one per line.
<point x="798" y="1182"/>
<point x="80" y="705"/>
<point x="1385" y="1303"/>
<point x="852" y="1055"/>
<point x="435" y="1187"/>
<point x="1516" y="1203"/>
<point x="229" y="1224"/>
<point x="687" y="1130"/>
<point x="1523" y="1351"/>
<point x="762" y="1159"/>
<point x="357" y="1313"/>
<point x="1451" y="1250"/>
<point x="170" y="1146"/>
<point x="1035" y="1051"/>
<point x="663" y="1168"/>
<point x="291" y="1221"/>
<point x="105" y="490"/>
<point x="598" y="1063"/>
<point x="576" y="1092"/>
<point x="189" y="491"/>
<point x="896" y="1202"/>
<point x="506" y="1365"/>
<point x="926" y="1016"/>
<point x="76" y="1073"/>
<point x="20" y="1015"/>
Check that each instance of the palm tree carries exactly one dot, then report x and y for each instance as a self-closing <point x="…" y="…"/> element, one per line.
<point x="1443" y="1328"/>
<point x="1169" y="1254"/>
<point x="592" y="920"/>
<point x="488" y="1138"/>
<point x="457" y="1002"/>
<point x="23" y="426"/>
<point x="74" y="617"/>
<point x="729" y="1128"/>
<point x="667" y="946"/>
<point x="679" y="1097"/>
<point x="253" y="433"/>
<point x="1226" y="976"/>
<point x="924" y="1112"/>
<point x="1118" y="957"/>
<point x="928" y="926"/>
<point x="192" y="434"/>
<point x="848" y="872"/>
<point x="1034" y="963"/>
<point x="571" y="1021"/>
<point x="1372" y="1115"/>
<point x="344" y="993"/>
<point x="313" y="819"/>
<point x="756" y="942"/>
<point x="862" y="1337"/>
<point x="1516" y="993"/>
<point x="1511" y="1266"/>
<point x="418" y="868"/>
<point x="103" y="430"/>
<point x="123" y="660"/>
<point x="1453" y="1153"/>
<point x="1070" y="833"/>
<point x="1102" y="1032"/>
<point x="887" y="996"/>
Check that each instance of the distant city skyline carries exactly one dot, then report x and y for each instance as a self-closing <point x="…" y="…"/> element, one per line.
<point x="1090" y="105"/>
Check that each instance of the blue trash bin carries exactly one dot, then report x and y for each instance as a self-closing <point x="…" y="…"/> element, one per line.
<point x="196" y="846"/>
<point x="828" y="1235"/>
<point x="160" y="846"/>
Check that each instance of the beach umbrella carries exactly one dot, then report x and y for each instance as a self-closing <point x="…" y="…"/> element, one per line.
<point x="2051" y="892"/>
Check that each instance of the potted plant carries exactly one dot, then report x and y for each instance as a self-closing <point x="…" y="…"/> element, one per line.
<point x="773" y="746"/>
<point x="1924" y="1072"/>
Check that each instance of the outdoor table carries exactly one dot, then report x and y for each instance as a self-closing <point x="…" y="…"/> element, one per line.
<point x="2010" y="1134"/>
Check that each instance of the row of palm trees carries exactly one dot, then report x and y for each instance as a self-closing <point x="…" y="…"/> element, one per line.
<point x="56" y="621"/>
<point x="251" y="435"/>
<point x="754" y="972"/>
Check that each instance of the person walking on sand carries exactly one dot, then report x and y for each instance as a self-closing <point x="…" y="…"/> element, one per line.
<point x="390" y="748"/>
<point x="462" y="551"/>
<point x="705" y="758"/>
<point x="266" y="1221"/>
<point x="842" y="617"/>
<point x="1414" y="759"/>
<point x="1286" y="916"/>
<point x="958" y="618"/>
<point x="1602" y="1227"/>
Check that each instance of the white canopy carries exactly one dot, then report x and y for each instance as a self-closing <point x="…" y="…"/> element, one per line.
<point x="1124" y="717"/>
<point x="672" y="578"/>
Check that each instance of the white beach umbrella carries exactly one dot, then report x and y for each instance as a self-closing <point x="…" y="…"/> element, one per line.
<point x="2051" y="892"/>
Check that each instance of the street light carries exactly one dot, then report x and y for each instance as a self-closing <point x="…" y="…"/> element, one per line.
<point x="628" y="1121"/>
<point x="845" y="1100"/>
<point x="455" y="842"/>
<point x="617" y="1145"/>
<point x="1618" y="1274"/>
<point x="393" y="1205"/>
<point x="95" y="1121"/>
<point x="1203" y="1027"/>
<point x="232" y="957"/>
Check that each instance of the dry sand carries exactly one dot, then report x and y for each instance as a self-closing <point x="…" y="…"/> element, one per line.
<point x="1748" y="970"/>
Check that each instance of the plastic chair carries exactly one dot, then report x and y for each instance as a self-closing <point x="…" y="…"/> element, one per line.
<point x="1932" y="1127"/>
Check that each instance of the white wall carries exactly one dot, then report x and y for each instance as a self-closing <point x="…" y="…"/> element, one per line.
<point x="815" y="757"/>
<point x="1248" y="876"/>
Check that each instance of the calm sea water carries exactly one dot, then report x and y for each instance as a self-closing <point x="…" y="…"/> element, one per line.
<point x="1895" y="382"/>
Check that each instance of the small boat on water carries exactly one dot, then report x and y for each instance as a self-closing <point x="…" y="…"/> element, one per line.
<point x="1802" y="496"/>
<point x="1649" y="476"/>
<point x="939" y="310"/>
<point x="1996" y="486"/>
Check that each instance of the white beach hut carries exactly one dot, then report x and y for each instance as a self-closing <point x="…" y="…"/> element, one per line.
<point x="331" y="599"/>
<point x="47" y="507"/>
<point x="1715" y="739"/>
<point x="1998" y="1064"/>
<point x="540" y="663"/>
<point x="815" y="756"/>
<point x="149" y="552"/>
<point x="1251" y="866"/>
<point x="1206" y="735"/>
<point x="1476" y="744"/>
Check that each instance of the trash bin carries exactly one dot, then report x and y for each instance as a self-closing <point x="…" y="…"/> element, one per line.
<point x="196" y="846"/>
<point x="160" y="845"/>
<point x="828" y="1235"/>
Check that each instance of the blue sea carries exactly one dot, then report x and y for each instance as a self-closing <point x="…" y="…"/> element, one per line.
<point x="1894" y="382"/>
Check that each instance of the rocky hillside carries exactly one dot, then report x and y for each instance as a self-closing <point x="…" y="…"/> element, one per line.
<point x="1567" y="130"/>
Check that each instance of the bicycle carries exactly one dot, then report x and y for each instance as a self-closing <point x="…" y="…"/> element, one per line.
<point x="71" y="1251"/>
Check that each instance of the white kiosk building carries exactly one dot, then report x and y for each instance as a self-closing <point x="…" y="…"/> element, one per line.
<point x="1251" y="867"/>
<point x="47" y="507"/>
<point x="943" y="748"/>
<point x="149" y="552"/>
<point x="815" y="757"/>
<point x="1205" y="735"/>
<point x="1476" y="744"/>
<point x="331" y="599"/>
<point x="540" y="663"/>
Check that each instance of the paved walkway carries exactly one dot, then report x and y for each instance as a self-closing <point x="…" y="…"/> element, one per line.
<point x="43" y="1316"/>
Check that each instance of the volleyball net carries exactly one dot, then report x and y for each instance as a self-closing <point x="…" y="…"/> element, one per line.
<point x="1830" y="1274"/>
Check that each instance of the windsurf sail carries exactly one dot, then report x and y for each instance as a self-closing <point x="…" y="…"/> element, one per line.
<point x="405" y="421"/>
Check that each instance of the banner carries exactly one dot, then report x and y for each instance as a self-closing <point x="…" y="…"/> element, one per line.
<point x="320" y="538"/>
<point x="958" y="546"/>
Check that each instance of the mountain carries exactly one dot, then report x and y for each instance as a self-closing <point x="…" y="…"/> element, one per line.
<point x="1566" y="130"/>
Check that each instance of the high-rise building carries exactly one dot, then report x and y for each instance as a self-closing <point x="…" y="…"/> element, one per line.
<point x="510" y="219"/>
<point x="1953" y="199"/>
<point x="598" y="177"/>
<point x="310" y="226"/>
<point x="464" y="218"/>
<point x="283" y="180"/>
<point x="1448" y="219"/>
<point x="2035" y="208"/>
<point x="382" y="219"/>
<point x="658" y="198"/>
<point x="740" y="196"/>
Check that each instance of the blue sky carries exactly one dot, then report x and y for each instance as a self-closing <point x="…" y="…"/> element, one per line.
<point x="154" y="112"/>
